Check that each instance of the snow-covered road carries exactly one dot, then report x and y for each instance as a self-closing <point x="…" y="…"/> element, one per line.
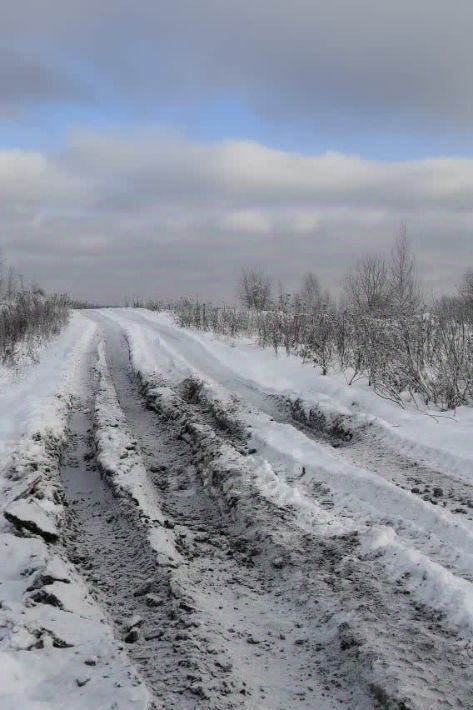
<point x="259" y="536"/>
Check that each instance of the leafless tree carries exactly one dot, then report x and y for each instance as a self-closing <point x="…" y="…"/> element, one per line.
<point x="255" y="289"/>
<point x="367" y="286"/>
<point x="405" y="292"/>
<point x="311" y="292"/>
<point x="11" y="284"/>
<point x="465" y="289"/>
<point x="2" y="275"/>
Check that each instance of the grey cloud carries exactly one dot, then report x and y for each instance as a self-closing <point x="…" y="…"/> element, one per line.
<point x="365" y="64"/>
<point x="29" y="79"/>
<point x="157" y="214"/>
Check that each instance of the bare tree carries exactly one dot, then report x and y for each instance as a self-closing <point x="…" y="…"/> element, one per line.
<point x="311" y="293"/>
<point x="2" y="275"/>
<point x="405" y="291"/>
<point x="367" y="286"/>
<point x="11" y="284"/>
<point x="465" y="289"/>
<point x="255" y="289"/>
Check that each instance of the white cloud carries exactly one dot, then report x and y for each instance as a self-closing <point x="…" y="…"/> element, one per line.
<point x="155" y="207"/>
<point x="246" y="221"/>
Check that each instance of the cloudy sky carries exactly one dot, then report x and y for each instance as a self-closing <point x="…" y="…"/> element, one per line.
<point x="153" y="148"/>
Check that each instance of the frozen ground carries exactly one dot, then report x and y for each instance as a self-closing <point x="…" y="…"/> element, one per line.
<point x="234" y="528"/>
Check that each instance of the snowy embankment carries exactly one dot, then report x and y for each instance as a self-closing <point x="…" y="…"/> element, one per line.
<point x="440" y="439"/>
<point x="56" y="648"/>
<point x="416" y="543"/>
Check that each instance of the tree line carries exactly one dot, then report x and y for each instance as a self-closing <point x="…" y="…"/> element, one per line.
<point x="381" y="328"/>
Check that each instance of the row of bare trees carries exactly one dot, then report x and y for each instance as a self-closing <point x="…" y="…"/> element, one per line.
<point x="375" y="286"/>
<point x="380" y="330"/>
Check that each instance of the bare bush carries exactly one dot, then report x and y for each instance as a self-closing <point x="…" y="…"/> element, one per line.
<point x="27" y="317"/>
<point x="426" y="357"/>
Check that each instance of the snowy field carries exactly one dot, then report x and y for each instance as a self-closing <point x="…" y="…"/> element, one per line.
<point x="193" y="522"/>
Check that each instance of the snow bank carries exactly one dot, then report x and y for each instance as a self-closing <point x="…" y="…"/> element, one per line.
<point x="437" y="439"/>
<point x="430" y="583"/>
<point x="56" y="649"/>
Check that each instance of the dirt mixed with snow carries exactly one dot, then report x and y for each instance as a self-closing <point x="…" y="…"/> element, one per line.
<point x="217" y="539"/>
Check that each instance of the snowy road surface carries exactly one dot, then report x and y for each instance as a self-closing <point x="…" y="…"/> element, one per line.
<point x="255" y="535"/>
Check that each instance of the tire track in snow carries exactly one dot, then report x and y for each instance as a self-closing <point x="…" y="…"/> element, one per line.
<point x="398" y="646"/>
<point x="215" y="636"/>
<point x="375" y="500"/>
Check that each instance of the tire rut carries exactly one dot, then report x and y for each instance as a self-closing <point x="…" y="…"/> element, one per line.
<point x="255" y="630"/>
<point x="207" y="634"/>
<point x="286" y="609"/>
<point x="146" y="602"/>
<point x="399" y="648"/>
